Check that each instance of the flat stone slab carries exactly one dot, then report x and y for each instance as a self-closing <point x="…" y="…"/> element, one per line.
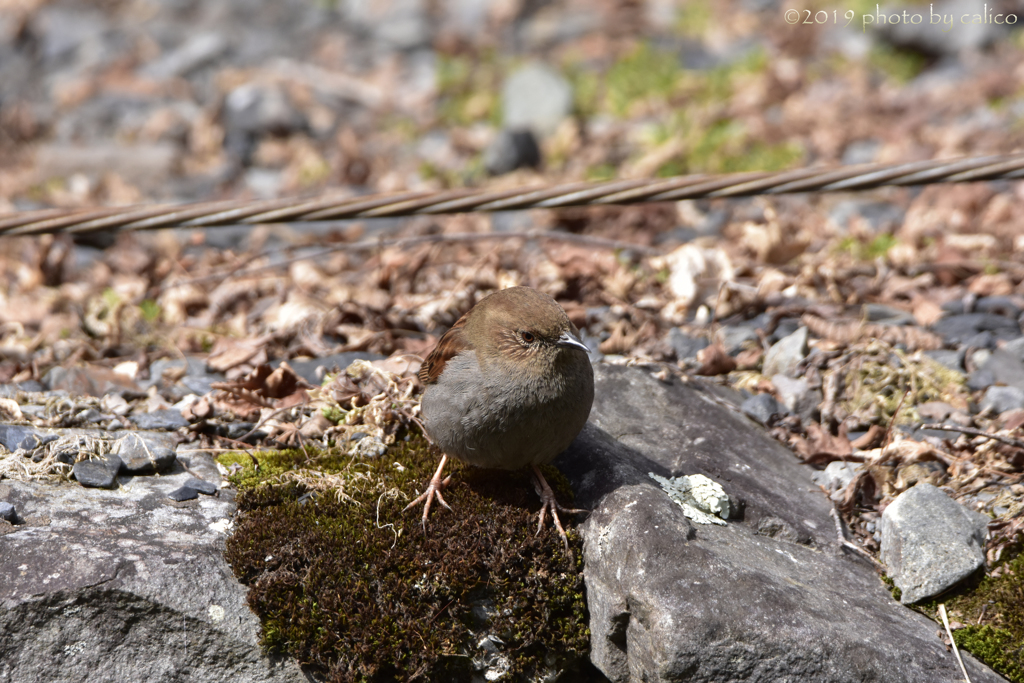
<point x="671" y="600"/>
<point x="127" y="583"/>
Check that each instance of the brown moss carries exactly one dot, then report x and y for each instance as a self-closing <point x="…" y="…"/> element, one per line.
<point x="356" y="592"/>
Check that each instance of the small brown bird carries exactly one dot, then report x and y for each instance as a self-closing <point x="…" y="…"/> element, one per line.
<point x="510" y="385"/>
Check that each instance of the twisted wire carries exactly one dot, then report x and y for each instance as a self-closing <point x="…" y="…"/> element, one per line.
<point x="338" y="206"/>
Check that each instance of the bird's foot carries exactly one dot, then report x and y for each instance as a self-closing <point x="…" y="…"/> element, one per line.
<point x="549" y="503"/>
<point x="433" y="491"/>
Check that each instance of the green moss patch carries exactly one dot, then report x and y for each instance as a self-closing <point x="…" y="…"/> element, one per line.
<point x="987" y="615"/>
<point x="348" y="584"/>
<point x="994" y="610"/>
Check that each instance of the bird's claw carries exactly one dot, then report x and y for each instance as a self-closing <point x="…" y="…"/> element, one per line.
<point x="433" y="491"/>
<point x="548" y="502"/>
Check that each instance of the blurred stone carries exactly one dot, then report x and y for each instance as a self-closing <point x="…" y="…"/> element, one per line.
<point x="166" y="419"/>
<point x="886" y="315"/>
<point x="763" y="408"/>
<point x="685" y="346"/>
<point x="252" y="110"/>
<point x="535" y="98"/>
<point x="836" y="475"/>
<point x="100" y="473"/>
<point x="87" y="381"/>
<point x="954" y="360"/>
<point x="930" y="542"/>
<point x="956" y="329"/>
<point x="998" y="305"/>
<point x="785" y="355"/>
<point x="141" y="164"/>
<point x="560" y="24"/>
<point x="314" y="371"/>
<point x="467" y="18"/>
<point x="980" y="379"/>
<point x="934" y="411"/>
<point x="1001" y="399"/>
<point x="198" y="51"/>
<point x="7" y="512"/>
<point x="863" y="152"/>
<point x="396" y="24"/>
<point x="981" y="340"/>
<point x="797" y="396"/>
<point x="1015" y="348"/>
<point x="264" y="183"/>
<point x="877" y="217"/>
<point x="511" y="150"/>
<point x="1005" y="368"/>
<point x="735" y="337"/>
<point x="786" y="327"/>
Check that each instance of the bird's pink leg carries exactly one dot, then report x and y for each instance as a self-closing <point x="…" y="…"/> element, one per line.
<point x="548" y="502"/>
<point x="434" y="489"/>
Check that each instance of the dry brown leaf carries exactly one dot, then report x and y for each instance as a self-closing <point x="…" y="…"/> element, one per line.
<point x="926" y="311"/>
<point x="749" y="358"/>
<point x="851" y="332"/>
<point x="821" y="447"/>
<point x="715" y="361"/>
<point x="871" y="439"/>
<point x="228" y="353"/>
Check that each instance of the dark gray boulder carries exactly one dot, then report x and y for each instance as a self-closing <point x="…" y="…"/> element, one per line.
<point x="671" y="600"/>
<point x="124" y="586"/>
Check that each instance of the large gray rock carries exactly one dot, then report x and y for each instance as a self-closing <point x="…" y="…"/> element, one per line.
<point x="124" y="586"/>
<point x="672" y="601"/>
<point x="930" y="542"/>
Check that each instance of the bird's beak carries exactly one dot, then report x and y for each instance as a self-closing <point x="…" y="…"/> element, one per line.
<point x="568" y="341"/>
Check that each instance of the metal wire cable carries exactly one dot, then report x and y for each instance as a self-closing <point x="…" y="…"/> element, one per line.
<point x="339" y="206"/>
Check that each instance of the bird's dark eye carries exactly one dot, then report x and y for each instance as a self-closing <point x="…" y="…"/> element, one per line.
<point x="528" y="337"/>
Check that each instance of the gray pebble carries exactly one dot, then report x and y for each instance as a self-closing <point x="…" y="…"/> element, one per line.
<point x="184" y="493"/>
<point x="763" y="408"/>
<point x="8" y="512"/>
<point x="100" y="473"/>
<point x="201" y="485"/>
<point x="785" y="355"/>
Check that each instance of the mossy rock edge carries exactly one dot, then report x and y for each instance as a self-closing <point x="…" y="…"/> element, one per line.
<point x="991" y="609"/>
<point x="351" y="587"/>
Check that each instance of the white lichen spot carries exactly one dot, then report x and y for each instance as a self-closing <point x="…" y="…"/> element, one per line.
<point x="703" y="500"/>
<point x="216" y="613"/>
<point x="222" y="526"/>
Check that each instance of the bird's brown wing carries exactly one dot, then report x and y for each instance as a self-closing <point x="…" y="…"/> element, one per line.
<point x="449" y="345"/>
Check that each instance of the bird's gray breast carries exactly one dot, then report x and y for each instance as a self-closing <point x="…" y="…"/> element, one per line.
<point x="496" y="420"/>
